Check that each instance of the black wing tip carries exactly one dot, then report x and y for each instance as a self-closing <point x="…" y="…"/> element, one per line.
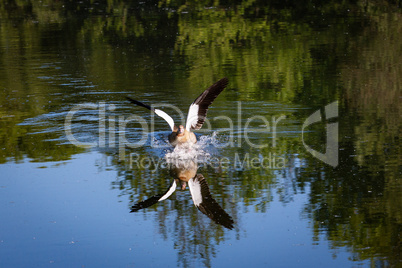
<point x="140" y="206"/>
<point x="229" y="225"/>
<point x="224" y="81"/>
<point x="131" y="99"/>
<point x="146" y="203"/>
<point x="217" y="214"/>
<point x="136" y="208"/>
<point x="220" y="85"/>
<point x="138" y="103"/>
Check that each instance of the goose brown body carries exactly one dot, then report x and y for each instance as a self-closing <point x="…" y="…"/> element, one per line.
<point x="180" y="136"/>
<point x="183" y="172"/>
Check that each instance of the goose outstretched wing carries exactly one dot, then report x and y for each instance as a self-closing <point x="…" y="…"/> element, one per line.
<point x="198" y="109"/>
<point x="154" y="199"/>
<point x="204" y="201"/>
<point x="160" y="113"/>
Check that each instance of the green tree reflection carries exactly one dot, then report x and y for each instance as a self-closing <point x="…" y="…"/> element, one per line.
<point x="304" y="53"/>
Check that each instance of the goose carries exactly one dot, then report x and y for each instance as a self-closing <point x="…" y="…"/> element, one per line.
<point x="202" y="199"/>
<point x="196" y="114"/>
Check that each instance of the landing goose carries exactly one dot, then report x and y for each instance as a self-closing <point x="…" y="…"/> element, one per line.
<point x="195" y="117"/>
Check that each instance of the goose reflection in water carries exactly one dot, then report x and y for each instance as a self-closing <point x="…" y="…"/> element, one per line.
<point x="186" y="172"/>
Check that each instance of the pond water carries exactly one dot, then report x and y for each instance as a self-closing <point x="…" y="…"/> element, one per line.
<point x="301" y="151"/>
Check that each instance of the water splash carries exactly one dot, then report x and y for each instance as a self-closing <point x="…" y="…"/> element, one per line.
<point x="200" y="152"/>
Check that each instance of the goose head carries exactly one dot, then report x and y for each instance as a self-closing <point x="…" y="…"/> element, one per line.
<point x="182" y="182"/>
<point x="180" y="131"/>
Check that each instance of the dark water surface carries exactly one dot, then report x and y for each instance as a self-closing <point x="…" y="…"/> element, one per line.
<point x="75" y="155"/>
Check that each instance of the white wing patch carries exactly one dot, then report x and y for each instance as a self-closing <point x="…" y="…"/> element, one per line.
<point x="170" y="192"/>
<point x="192" y="116"/>
<point x="166" y="117"/>
<point x="195" y="190"/>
